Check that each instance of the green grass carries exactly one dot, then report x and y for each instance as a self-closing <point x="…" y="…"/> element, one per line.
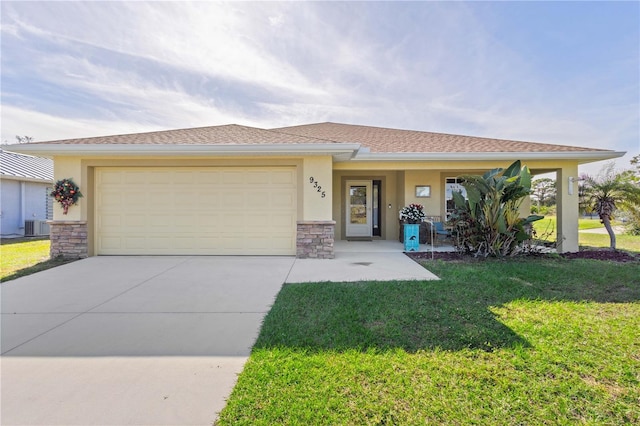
<point x="536" y="341"/>
<point x="623" y="242"/>
<point x="20" y="257"/>
<point x="546" y="229"/>
<point x="549" y="224"/>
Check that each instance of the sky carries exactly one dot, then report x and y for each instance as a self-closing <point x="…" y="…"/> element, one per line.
<point x="555" y="72"/>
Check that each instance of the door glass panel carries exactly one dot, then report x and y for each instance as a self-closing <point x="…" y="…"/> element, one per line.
<point x="358" y="204"/>
<point x="452" y="184"/>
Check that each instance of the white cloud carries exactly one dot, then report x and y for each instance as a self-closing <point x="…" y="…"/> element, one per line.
<point x="425" y="66"/>
<point x="217" y="39"/>
<point x="42" y="127"/>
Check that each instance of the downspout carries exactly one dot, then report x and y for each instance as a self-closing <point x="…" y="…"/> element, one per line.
<point x="23" y="204"/>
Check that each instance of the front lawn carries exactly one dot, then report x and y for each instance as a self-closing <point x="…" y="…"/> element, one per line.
<point x="20" y="257"/>
<point x="546" y="230"/>
<point x="538" y="341"/>
<point x="623" y="242"/>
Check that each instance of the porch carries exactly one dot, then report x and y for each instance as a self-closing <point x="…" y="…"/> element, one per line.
<point x="367" y="198"/>
<point x="385" y="246"/>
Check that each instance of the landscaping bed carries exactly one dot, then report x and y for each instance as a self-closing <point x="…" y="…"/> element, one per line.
<point x="591" y="253"/>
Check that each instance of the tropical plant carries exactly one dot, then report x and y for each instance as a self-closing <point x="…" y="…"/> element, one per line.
<point x="609" y="191"/>
<point x="488" y="222"/>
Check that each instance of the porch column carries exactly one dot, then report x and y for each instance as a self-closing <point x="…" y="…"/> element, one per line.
<point x="567" y="208"/>
<point x="315" y="231"/>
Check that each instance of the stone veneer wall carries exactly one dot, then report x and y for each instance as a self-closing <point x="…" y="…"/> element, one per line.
<point x="315" y="239"/>
<point x="69" y="239"/>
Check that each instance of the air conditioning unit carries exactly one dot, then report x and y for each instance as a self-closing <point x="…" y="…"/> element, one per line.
<point x="34" y="228"/>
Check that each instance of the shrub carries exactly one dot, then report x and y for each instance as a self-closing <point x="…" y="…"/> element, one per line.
<point x="488" y="223"/>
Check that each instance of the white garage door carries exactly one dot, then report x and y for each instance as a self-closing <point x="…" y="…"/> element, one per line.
<point x="196" y="210"/>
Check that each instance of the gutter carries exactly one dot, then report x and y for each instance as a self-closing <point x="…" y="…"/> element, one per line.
<point x="581" y="156"/>
<point x="343" y="151"/>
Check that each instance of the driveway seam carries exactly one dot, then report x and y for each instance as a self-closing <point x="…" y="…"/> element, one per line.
<point x="295" y="259"/>
<point x="94" y="307"/>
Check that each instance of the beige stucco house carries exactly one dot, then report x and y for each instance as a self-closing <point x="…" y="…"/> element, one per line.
<point x="232" y="190"/>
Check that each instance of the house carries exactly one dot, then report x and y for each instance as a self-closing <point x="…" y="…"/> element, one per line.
<point x="231" y="189"/>
<point x="25" y="183"/>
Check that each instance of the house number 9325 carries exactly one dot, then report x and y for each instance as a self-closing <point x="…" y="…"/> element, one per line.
<point x="317" y="186"/>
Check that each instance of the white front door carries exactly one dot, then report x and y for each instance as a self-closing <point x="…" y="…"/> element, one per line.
<point x="358" y="211"/>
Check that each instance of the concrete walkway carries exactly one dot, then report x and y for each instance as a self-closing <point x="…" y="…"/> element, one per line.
<point x="616" y="229"/>
<point x="362" y="261"/>
<point x="151" y="340"/>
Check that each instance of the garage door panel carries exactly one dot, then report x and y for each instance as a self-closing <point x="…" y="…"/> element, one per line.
<point x="233" y="177"/>
<point x="283" y="200"/>
<point x="111" y="220"/>
<point x="137" y="177"/>
<point x="196" y="210"/>
<point x="113" y="199"/>
<point x="111" y="177"/>
<point x="207" y="178"/>
<point x="110" y="243"/>
<point x="258" y="178"/>
<point x="286" y="177"/>
<point x="135" y="220"/>
<point x="283" y="220"/>
<point x="184" y="178"/>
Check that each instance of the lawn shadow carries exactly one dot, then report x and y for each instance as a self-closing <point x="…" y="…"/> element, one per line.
<point x="450" y="314"/>
<point x="38" y="267"/>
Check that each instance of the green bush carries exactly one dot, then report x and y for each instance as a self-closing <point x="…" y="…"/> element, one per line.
<point x="488" y="222"/>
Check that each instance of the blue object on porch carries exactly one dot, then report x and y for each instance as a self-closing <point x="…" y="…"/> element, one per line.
<point x="411" y="237"/>
<point x="440" y="230"/>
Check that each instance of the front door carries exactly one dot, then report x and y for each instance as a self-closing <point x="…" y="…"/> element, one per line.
<point x="359" y="205"/>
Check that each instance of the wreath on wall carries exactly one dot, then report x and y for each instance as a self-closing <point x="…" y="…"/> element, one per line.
<point x="67" y="193"/>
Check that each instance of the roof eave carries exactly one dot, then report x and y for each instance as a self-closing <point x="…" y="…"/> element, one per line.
<point x="581" y="157"/>
<point x="340" y="152"/>
<point x="26" y="178"/>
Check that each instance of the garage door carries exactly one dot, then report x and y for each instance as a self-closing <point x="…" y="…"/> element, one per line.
<point x="196" y="210"/>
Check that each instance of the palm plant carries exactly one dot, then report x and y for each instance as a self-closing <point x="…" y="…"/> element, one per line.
<point x="608" y="191"/>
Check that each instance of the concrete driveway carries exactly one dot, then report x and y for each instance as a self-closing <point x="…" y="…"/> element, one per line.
<point x="146" y="340"/>
<point x="131" y="340"/>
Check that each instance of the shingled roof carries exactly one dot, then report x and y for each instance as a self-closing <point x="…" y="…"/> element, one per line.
<point x="20" y="166"/>
<point x="345" y="142"/>
<point x="230" y="134"/>
<point x="381" y="140"/>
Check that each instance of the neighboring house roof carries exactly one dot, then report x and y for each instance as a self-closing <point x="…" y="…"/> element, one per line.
<point x="25" y="167"/>
<point x="345" y="142"/>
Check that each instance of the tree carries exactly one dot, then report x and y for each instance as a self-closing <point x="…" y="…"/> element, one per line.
<point x="24" y="139"/>
<point x="488" y="223"/>
<point x="632" y="203"/>
<point x="543" y="191"/>
<point x="635" y="162"/>
<point x="608" y="191"/>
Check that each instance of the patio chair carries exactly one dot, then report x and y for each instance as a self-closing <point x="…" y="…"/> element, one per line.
<point x="441" y="231"/>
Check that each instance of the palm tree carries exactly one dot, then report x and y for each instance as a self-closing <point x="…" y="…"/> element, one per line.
<point x="606" y="192"/>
